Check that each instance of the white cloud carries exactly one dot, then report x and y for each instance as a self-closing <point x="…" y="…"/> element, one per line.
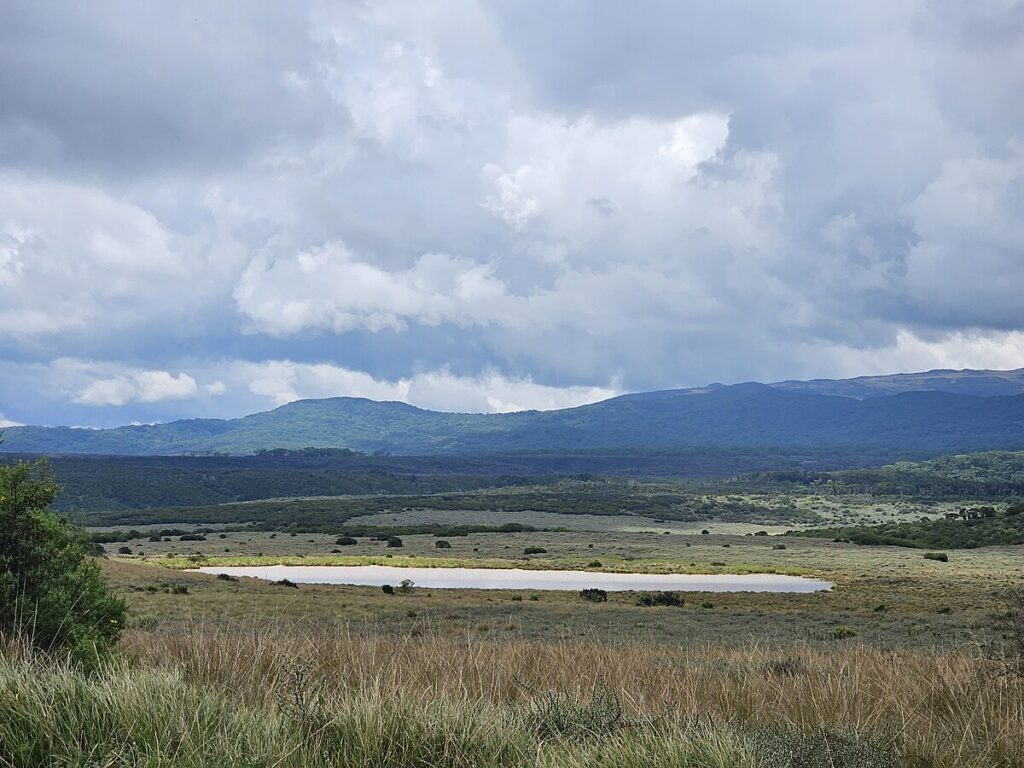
<point x="283" y="381"/>
<point x="5" y="422"/>
<point x="910" y="352"/>
<point x="216" y="389"/>
<point x="137" y="387"/>
<point x="74" y="258"/>
<point x="570" y="177"/>
<point x="326" y="288"/>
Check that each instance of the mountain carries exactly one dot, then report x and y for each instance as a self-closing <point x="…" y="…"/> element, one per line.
<point x="966" y="382"/>
<point x="984" y="411"/>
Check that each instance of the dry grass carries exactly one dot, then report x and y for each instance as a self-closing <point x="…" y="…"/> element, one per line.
<point x="937" y="709"/>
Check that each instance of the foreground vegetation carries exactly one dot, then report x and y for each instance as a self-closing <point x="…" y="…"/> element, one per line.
<point x="247" y="696"/>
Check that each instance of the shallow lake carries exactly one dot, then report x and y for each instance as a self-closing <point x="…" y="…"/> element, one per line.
<point x="515" y="578"/>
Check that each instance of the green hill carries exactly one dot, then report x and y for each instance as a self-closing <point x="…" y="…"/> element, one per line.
<point x="753" y="415"/>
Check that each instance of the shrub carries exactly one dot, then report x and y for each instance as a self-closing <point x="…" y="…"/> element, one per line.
<point x="124" y="550"/>
<point x="192" y="537"/>
<point x="442" y="544"/>
<point x="155" y="539"/>
<point x="785" y="745"/>
<point x="345" y="541"/>
<point x="651" y="599"/>
<point x="593" y="595"/>
<point x="287" y="583"/>
<point x="778" y="546"/>
<point x="226" y="577"/>
<point x="594" y="564"/>
<point x="51" y="591"/>
<point x="942" y="557"/>
<point x="394" y="541"/>
<point x="535" y="551"/>
<point x="705" y="532"/>
<point x="387" y="589"/>
<point x="405" y="586"/>
<point x="179" y="589"/>
<point x="842" y="632"/>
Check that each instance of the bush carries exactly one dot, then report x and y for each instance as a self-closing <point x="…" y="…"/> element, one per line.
<point x="345" y="541"/>
<point x="784" y="745"/>
<point x="287" y="583"/>
<point x="124" y="550"/>
<point x="387" y="589"/>
<point x="842" y="632"/>
<point x="51" y="591"/>
<point x="594" y="595"/>
<point x="192" y="537"/>
<point x="594" y="564"/>
<point x="442" y="544"/>
<point x="942" y="557"/>
<point x="660" y="598"/>
<point x="394" y="541"/>
<point x="535" y="551"/>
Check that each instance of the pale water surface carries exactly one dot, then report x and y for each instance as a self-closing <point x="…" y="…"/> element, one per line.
<point x="515" y="578"/>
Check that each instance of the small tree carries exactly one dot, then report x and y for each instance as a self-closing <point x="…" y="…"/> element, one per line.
<point x="51" y="590"/>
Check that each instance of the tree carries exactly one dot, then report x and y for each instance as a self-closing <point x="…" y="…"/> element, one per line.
<point x="51" y="590"/>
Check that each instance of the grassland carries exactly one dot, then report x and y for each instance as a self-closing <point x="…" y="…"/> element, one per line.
<point x="896" y="666"/>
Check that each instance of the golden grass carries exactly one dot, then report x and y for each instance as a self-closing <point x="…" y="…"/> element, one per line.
<point x="940" y="709"/>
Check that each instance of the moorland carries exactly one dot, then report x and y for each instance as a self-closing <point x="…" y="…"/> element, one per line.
<point x="913" y="658"/>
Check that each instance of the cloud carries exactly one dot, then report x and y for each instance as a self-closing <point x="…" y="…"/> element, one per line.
<point x="5" y="422"/>
<point x="326" y="288"/>
<point x="493" y="199"/>
<point x="138" y="386"/>
<point x="284" y="381"/>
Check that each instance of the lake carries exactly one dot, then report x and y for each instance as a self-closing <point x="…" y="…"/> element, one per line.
<point x="516" y="578"/>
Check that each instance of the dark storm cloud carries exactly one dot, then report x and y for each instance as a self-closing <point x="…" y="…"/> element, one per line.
<point x="175" y="87"/>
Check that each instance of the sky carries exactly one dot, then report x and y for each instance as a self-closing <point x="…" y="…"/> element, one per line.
<point x="211" y="209"/>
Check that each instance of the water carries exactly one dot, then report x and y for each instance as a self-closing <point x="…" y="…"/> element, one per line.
<point x="515" y="578"/>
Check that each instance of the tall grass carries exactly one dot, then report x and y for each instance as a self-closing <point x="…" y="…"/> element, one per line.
<point x="257" y="696"/>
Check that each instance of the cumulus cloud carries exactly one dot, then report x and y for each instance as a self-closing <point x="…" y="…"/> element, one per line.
<point x="138" y="386"/>
<point x="326" y="288"/>
<point x="460" y="197"/>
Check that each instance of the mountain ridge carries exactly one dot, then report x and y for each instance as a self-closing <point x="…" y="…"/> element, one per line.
<point x="930" y="419"/>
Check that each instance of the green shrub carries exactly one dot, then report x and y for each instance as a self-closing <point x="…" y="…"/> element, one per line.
<point x="651" y="599"/>
<point x="50" y="589"/>
<point x="781" y="746"/>
<point x="442" y="544"/>
<point x="387" y="589"/>
<point x="535" y="551"/>
<point x="942" y="557"/>
<point x="345" y="541"/>
<point x="394" y="541"/>
<point x="842" y="632"/>
<point x="593" y="595"/>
